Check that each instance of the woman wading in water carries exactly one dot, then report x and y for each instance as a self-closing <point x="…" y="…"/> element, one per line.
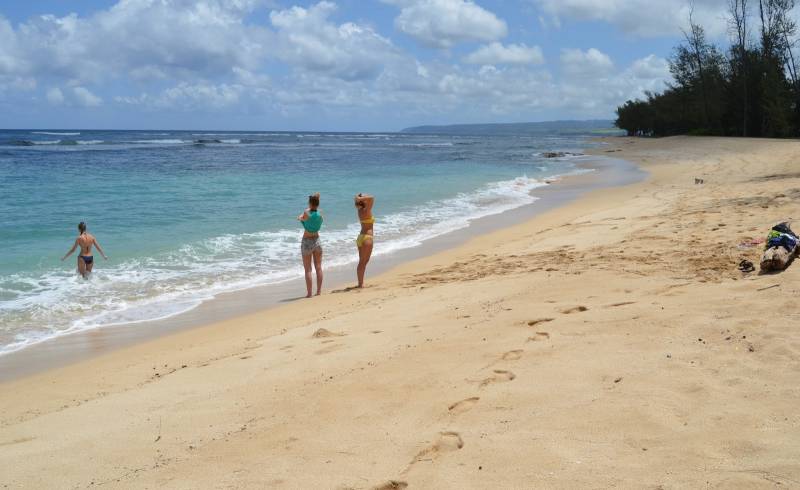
<point x="365" y="239"/>
<point x="85" y="260"/>
<point x="310" y="246"/>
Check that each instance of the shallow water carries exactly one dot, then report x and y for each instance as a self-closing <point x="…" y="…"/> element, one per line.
<point x="187" y="215"/>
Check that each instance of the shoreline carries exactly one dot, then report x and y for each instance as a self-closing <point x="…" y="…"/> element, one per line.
<point x="64" y="349"/>
<point x="612" y="341"/>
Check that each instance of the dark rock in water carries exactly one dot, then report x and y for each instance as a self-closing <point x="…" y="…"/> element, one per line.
<point x="204" y="141"/>
<point x="560" y="154"/>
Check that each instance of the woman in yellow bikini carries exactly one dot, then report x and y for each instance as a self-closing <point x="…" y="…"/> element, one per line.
<point x="364" y="241"/>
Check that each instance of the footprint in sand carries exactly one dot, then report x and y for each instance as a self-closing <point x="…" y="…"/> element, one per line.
<point x="574" y="309"/>
<point x="323" y="332"/>
<point x="464" y="405"/>
<point x="512" y="355"/>
<point x="448" y="442"/>
<point x="539" y="320"/>
<point x="539" y="337"/>
<point x="17" y="441"/>
<point x="328" y="349"/>
<point x="391" y="485"/>
<point x="498" y="376"/>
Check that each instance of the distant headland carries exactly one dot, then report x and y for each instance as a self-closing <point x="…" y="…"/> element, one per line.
<point x="594" y="126"/>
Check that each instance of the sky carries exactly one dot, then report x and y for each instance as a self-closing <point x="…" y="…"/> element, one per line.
<point x="344" y="65"/>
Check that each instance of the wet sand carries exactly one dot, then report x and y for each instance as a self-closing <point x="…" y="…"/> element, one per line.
<point x="608" y="342"/>
<point x="77" y="346"/>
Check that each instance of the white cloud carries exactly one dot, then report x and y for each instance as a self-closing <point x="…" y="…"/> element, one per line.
<point x="589" y="63"/>
<point x="84" y="97"/>
<point x="525" y="93"/>
<point x="9" y="59"/>
<point x="210" y="57"/>
<point x="640" y="17"/>
<point x="497" y="53"/>
<point x="141" y="38"/>
<point x="650" y="67"/>
<point x="55" y="96"/>
<point x="201" y="97"/>
<point x="444" y="23"/>
<point x="349" y="51"/>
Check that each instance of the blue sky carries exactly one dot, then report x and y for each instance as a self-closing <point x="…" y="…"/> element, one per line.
<point x="346" y="65"/>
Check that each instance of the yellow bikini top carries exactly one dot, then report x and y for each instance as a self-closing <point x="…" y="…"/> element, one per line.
<point x="368" y="221"/>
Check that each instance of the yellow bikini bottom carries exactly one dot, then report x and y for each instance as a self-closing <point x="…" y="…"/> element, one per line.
<point x="362" y="237"/>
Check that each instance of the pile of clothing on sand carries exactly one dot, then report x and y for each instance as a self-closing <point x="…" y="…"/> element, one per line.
<point x="782" y="236"/>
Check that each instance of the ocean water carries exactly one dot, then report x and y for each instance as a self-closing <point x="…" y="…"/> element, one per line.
<point x="184" y="216"/>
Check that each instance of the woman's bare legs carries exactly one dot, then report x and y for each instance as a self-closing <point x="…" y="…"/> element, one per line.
<point x="317" y="267"/>
<point x="364" y="253"/>
<point x="82" y="268"/>
<point x="307" y="267"/>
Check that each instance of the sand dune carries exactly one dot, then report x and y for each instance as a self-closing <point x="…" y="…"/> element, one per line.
<point x="608" y="343"/>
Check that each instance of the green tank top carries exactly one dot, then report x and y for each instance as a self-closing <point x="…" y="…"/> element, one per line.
<point x="313" y="223"/>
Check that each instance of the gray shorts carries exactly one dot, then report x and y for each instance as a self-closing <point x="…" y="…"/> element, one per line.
<point x="310" y="245"/>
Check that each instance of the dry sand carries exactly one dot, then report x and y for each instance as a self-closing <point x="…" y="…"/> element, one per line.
<point x="609" y="343"/>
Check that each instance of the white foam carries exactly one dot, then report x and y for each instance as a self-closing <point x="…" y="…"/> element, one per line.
<point x="422" y="145"/>
<point x="161" y="142"/>
<point x="234" y="134"/>
<point x="155" y="287"/>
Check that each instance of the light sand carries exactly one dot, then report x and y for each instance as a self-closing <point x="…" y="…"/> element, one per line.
<point x="610" y="342"/>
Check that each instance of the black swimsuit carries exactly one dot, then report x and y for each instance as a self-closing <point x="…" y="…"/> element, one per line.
<point x="87" y="259"/>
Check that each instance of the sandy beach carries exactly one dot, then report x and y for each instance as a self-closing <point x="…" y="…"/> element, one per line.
<point x="610" y="342"/>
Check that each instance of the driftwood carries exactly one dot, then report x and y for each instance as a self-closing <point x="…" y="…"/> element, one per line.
<point x="776" y="259"/>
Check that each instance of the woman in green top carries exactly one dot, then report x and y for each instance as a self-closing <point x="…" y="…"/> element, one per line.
<point x="310" y="246"/>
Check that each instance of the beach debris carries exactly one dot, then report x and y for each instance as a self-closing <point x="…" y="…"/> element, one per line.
<point x="159" y="430"/>
<point x="699" y="181"/>
<point x="782" y="246"/>
<point x="750" y="243"/>
<point x="574" y="309"/>
<point x="746" y="266"/>
<point x="539" y="320"/>
<point x="768" y="287"/>
<point x="392" y="485"/>
<point x="618" y="380"/>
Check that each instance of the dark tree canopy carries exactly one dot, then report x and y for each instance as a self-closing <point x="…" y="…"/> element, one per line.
<point x="750" y="89"/>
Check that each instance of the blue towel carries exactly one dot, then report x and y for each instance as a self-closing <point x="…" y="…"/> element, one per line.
<point x="786" y="241"/>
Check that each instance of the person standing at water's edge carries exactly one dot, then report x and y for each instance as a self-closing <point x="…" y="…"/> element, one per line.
<point x="364" y="241"/>
<point x="85" y="240"/>
<point x="310" y="246"/>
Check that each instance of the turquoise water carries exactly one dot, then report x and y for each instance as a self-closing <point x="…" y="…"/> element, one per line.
<point x="186" y="215"/>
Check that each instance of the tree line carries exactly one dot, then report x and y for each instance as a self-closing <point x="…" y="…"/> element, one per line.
<point x="749" y="89"/>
